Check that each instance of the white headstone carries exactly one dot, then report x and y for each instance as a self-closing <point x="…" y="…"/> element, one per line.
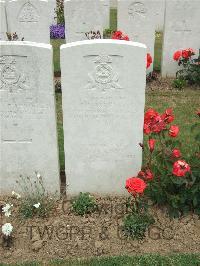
<point x="3" y="23"/>
<point x="113" y="4"/>
<point x="182" y="30"/>
<point x="52" y="4"/>
<point x="28" y="138"/>
<point x="160" y="14"/>
<point x="83" y="16"/>
<point x="103" y="94"/>
<point x="30" y="19"/>
<point x="106" y="13"/>
<point x="137" y="20"/>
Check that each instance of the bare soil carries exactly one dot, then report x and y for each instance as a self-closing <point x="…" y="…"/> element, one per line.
<point x="66" y="235"/>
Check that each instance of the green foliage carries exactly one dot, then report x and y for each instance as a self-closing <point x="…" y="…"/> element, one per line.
<point x="33" y="192"/>
<point x="60" y="12"/>
<point x="84" y="204"/>
<point x="181" y="194"/>
<point x="179" y="83"/>
<point x="190" y="70"/>
<point x="136" y="224"/>
<point x="107" y="33"/>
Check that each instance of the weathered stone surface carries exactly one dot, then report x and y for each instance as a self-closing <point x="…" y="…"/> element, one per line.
<point x="83" y="16"/>
<point x="30" y="19"/>
<point x="3" y="24"/>
<point x="28" y="138"/>
<point x="137" y="20"/>
<point x="103" y="106"/>
<point x="181" y="31"/>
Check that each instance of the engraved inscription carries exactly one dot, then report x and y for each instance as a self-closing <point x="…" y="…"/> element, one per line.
<point x="28" y="13"/>
<point x="103" y="77"/>
<point x="136" y="9"/>
<point x="10" y="75"/>
<point x="15" y="133"/>
<point x="182" y="27"/>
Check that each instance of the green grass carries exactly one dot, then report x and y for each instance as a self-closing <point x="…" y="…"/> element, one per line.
<point x="158" y="51"/>
<point x="184" y="104"/>
<point x="144" y="260"/>
<point x="56" y="53"/>
<point x="60" y="130"/>
<point x="113" y="19"/>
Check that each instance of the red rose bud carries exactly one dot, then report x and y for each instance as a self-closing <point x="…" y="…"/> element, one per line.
<point x="177" y="55"/>
<point x="168" y="116"/>
<point x="173" y="131"/>
<point x="151" y="144"/>
<point x="135" y="186"/>
<point x="176" y="153"/>
<point x="149" y="175"/>
<point x="180" y="168"/>
<point x="141" y="174"/>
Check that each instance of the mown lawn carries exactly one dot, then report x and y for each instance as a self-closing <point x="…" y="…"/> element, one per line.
<point x="144" y="260"/>
<point x="56" y="53"/>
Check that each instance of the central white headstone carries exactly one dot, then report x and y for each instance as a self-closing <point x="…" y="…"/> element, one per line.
<point x="83" y="16"/>
<point x="182" y="30"/>
<point x="137" y="19"/>
<point x="103" y="93"/>
<point x="30" y="19"/>
<point x="28" y="138"/>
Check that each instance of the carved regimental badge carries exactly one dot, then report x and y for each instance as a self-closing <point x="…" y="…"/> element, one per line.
<point x="137" y="9"/>
<point x="10" y="77"/>
<point x="28" y="13"/>
<point x="103" y="77"/>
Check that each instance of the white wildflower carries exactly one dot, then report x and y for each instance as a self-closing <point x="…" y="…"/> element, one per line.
<point x="37" y="205"/>
<point x="38" y="175"/>
<point x="18" y="196"/>
<point x="7" y="229"/>
<point x="6" y="209"/>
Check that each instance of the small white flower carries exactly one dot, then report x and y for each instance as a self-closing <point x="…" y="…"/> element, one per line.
<point x="38" y="175"/>
<point x="18" y="196"/>
<point x="6" y="209"/>
<point x="37" y="205"/>
<point x="7" y="229"/>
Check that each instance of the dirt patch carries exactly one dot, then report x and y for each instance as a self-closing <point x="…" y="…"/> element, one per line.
<point x="165" y="84"/>
<point x="65" y="235"/>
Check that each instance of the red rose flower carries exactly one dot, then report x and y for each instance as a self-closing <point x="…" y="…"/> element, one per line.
<point x="149" y="60"/>
<point x="177" y="55"/>
<point x="135" y="185"/>
<point x="151" y="144"/>
<point x="176" y="153"/>
<point x="118" y="35"/>
<point x="173" y="131"/>
<point x="187" y="53"/>
<point x="180" y="168"/>
<point x="168" y="116"/>
<point x="153" y="123"/>
<point x="126" y="38"/>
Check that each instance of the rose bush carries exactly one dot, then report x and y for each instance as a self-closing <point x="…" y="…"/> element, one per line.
<point x="190" y="67"/>
<point x="174" y="180"/>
